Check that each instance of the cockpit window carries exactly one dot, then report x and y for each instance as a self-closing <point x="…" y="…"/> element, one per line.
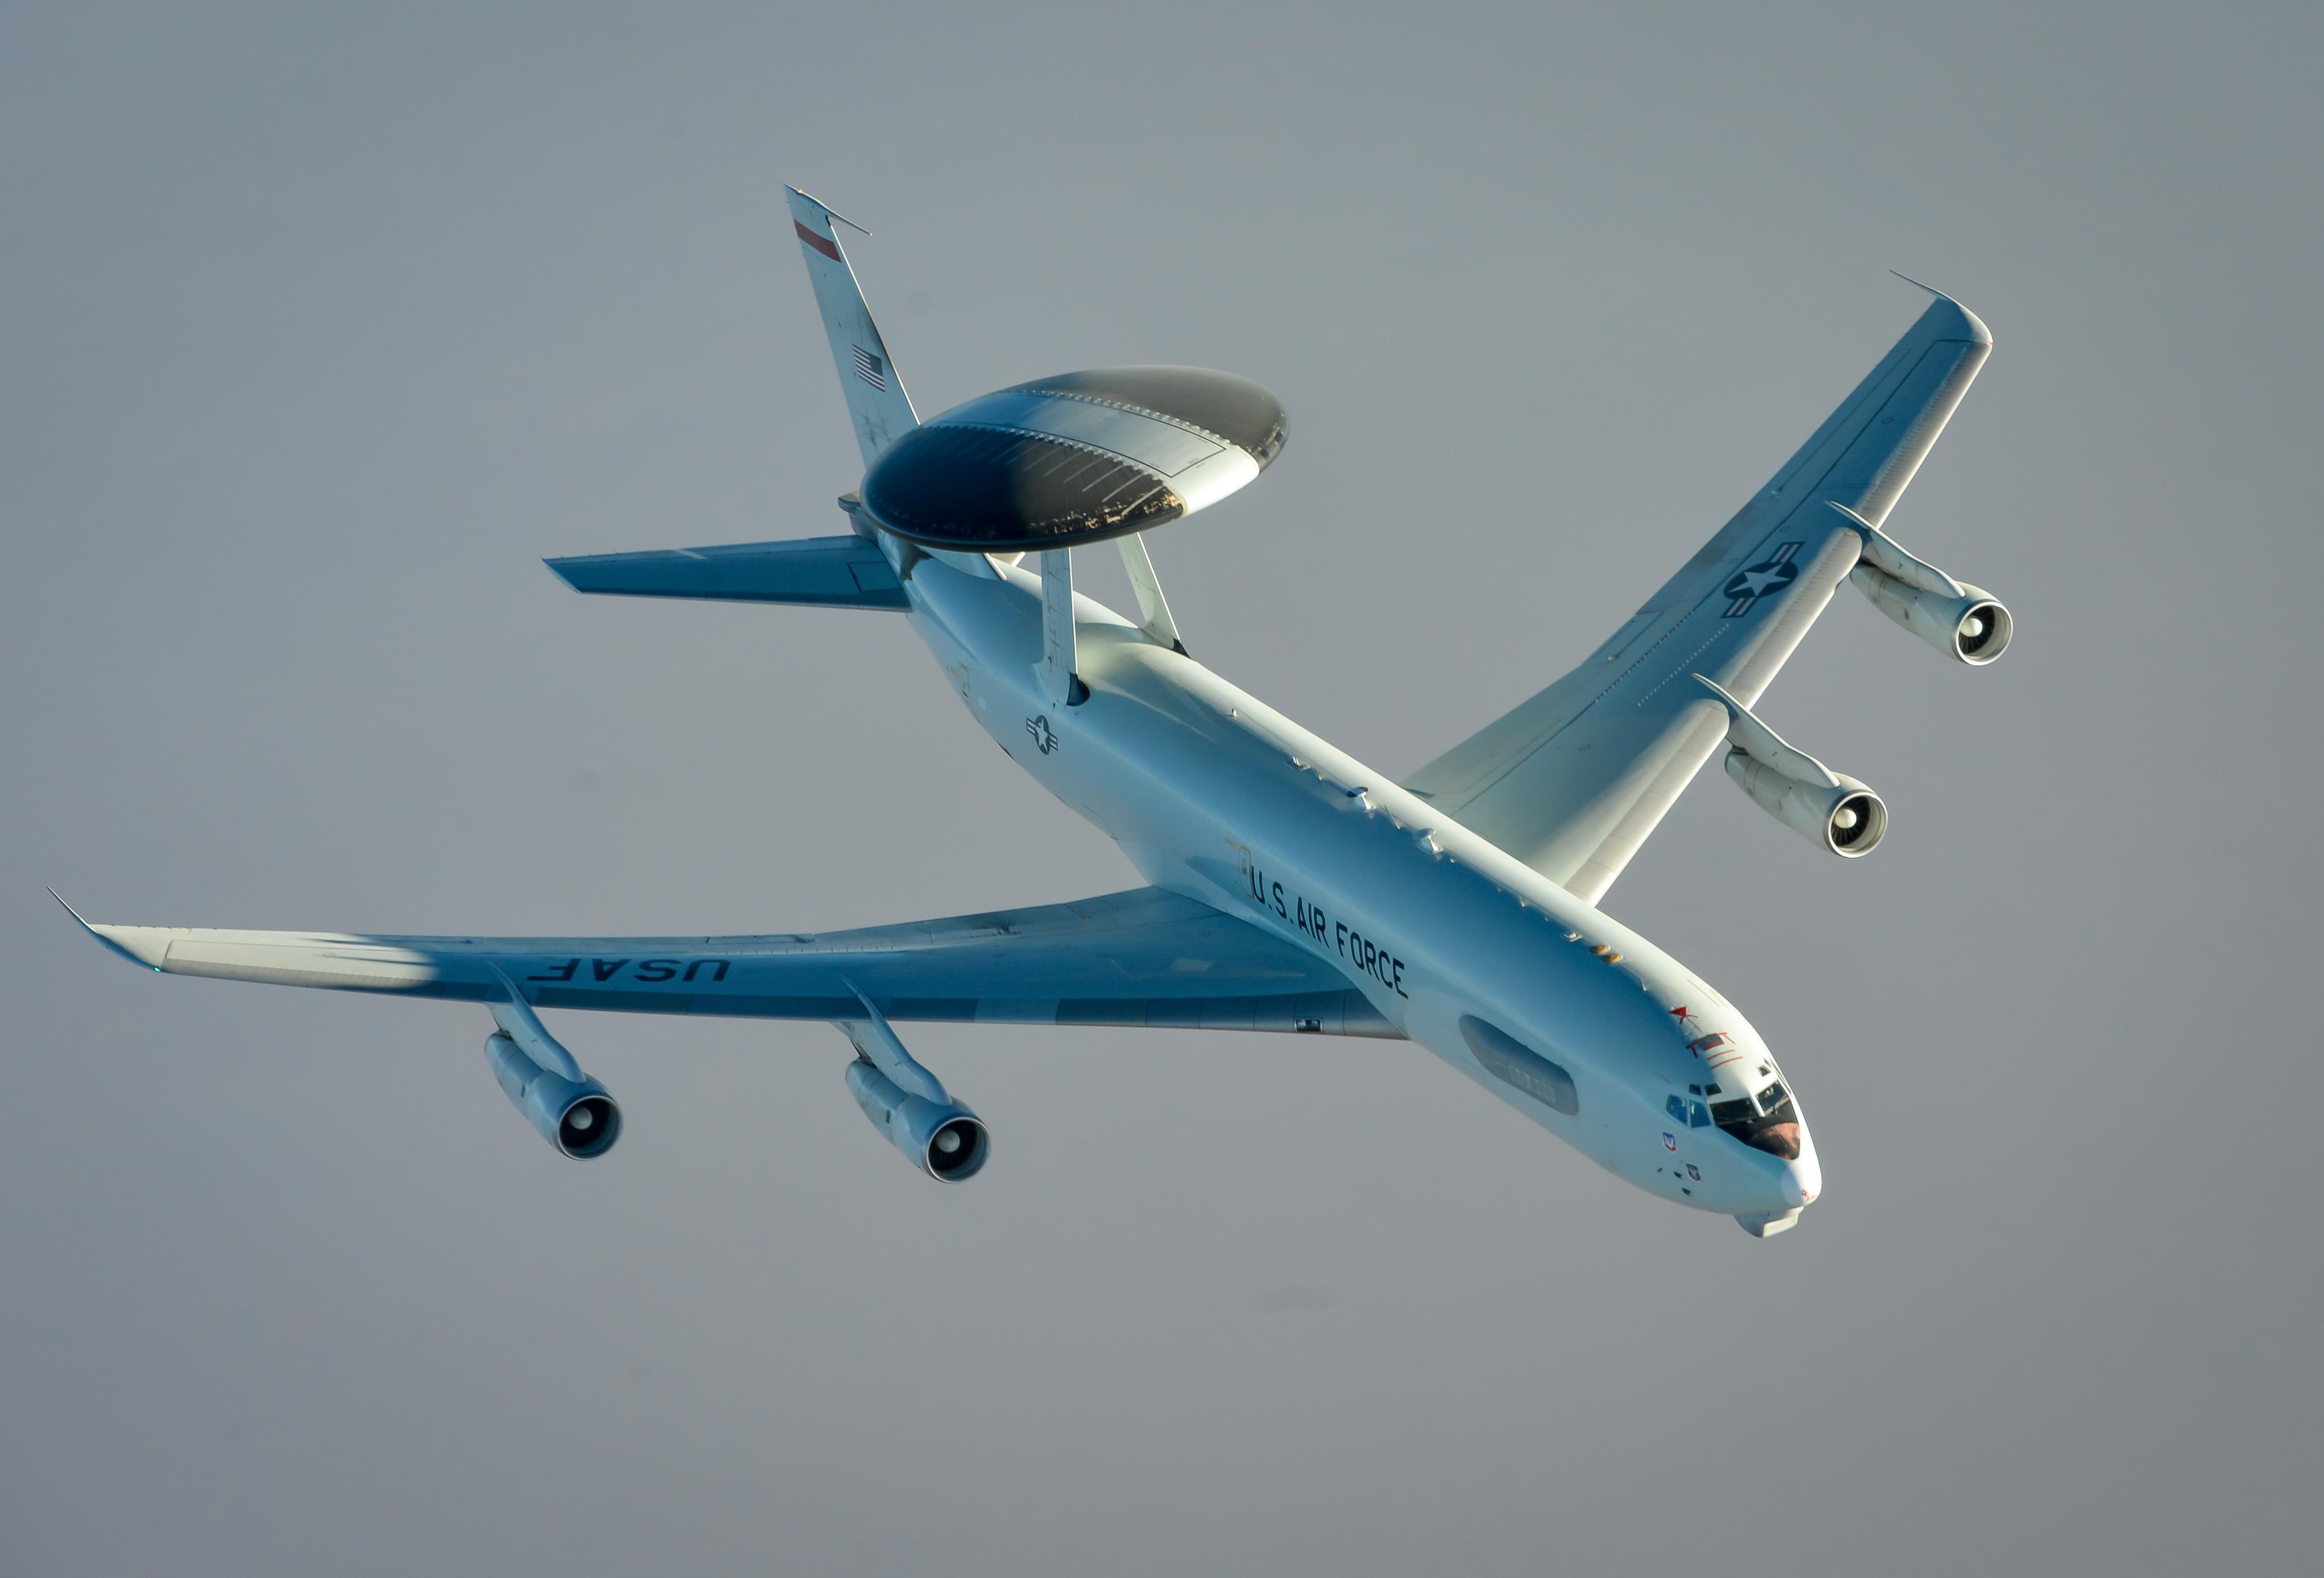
<point x="1772" y="1124"/>
<point x="1690" y="1113"/>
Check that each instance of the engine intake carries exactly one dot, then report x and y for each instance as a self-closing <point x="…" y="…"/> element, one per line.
<point x="942" y="1138"/>
<point x="939" y="1135"/>
<point x="1844" y="815"/>
<point x="1829" y="809"/>
<point x="1971" y="625"/>
<point x="1964" y="622"/>
<point x="577" y="1116"/>
<point x="566" y="1107"/>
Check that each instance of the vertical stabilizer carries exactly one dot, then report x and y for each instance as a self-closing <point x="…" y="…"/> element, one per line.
<point x="877" y="407"/>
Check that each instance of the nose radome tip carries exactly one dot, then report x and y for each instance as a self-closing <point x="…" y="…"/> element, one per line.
<point x="1802" y="1181"/>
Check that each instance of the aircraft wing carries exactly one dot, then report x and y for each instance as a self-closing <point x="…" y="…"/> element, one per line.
<point x="1142" y="957"/>
<point x="1573" y="781"/>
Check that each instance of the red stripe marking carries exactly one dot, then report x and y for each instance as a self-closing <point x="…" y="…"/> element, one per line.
<point x="822" y="245"/>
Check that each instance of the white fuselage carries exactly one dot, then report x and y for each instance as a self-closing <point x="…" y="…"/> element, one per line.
<point x="1213" y="795"/>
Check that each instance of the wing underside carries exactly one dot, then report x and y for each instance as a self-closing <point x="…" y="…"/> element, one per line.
<point x="1142" y="957"/>
<point x="1574" y="780"/>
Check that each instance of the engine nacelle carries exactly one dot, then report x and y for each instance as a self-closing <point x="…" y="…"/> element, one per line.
<point x="1826" y="808"/>
<point x="575" y="1115"/>
<point x="910" y="1106"/>
<point x="1843" y="816"/>
<point x="1964" y="622"/>
<point x="1970" y="625"/>
<point x="942" y="1138"/>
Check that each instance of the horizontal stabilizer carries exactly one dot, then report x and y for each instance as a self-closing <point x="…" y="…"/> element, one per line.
<point x="820" y="571"/>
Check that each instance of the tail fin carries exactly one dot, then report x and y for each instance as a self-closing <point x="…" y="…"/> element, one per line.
<point x="877" y="406"/>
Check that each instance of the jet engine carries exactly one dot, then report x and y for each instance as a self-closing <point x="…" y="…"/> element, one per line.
<point x="1964" y="622"/>
<point x="568" y="1108"/>
<point x="939" y="1135"/>
<point x="575" y="1116"/>
<point x="1839" y="814"/>
<point x="942" y="1138"/>
<point x="1829" y="809"/>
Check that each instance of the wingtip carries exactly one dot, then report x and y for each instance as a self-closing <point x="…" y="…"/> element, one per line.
<point x="69" y="910"/>
<point x="1977" y="332"/>
<point x="105" y="940"/>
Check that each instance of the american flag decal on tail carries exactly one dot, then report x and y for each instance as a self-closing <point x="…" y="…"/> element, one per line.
<point x="869" y="368"/>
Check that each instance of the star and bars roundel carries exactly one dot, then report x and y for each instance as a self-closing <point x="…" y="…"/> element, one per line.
<point x="1748" y="586"/>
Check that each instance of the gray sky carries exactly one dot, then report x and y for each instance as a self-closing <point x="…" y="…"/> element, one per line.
<point x="321" y="326"/>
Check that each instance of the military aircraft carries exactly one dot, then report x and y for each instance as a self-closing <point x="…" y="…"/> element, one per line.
<point x="1291" y="887"/>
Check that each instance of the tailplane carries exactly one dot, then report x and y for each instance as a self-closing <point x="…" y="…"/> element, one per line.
<point x="877" y="406"/>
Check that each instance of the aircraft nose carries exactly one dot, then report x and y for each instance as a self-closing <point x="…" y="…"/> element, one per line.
<point x="1802" y="1179"/>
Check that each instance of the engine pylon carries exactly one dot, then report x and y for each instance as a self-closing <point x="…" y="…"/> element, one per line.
<point x="1964" y="622"/>
<point x="904" y="1101"/>
<point x="1829" y="809"/>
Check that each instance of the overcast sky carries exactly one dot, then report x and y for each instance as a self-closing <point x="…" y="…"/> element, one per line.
<point x="321" y="324"/>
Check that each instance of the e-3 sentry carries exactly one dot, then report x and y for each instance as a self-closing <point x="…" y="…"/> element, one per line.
<point x="1290" y="886"/>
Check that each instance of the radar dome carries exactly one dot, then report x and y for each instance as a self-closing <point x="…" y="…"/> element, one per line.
<point x="1078" y="458"/>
